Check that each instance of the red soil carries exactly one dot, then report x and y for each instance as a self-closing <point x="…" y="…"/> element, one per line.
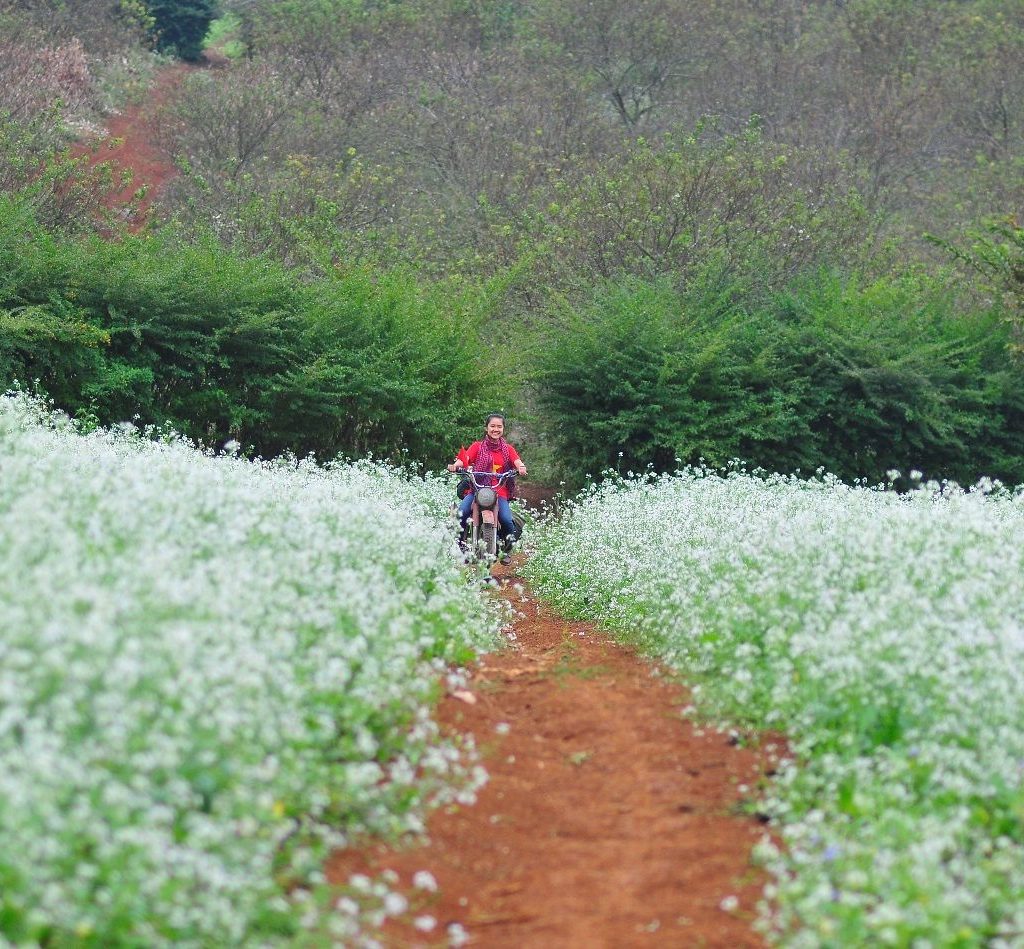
<point x="129" y="143"/>
<point x="537" y="496"/>
<point x="608" y="820"/>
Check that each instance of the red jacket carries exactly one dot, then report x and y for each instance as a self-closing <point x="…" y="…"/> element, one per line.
<point x="469" y="455"/>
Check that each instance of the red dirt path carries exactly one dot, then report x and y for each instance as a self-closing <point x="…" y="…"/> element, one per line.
<point x="608" y="820"/>
<point x="129" y="144"/>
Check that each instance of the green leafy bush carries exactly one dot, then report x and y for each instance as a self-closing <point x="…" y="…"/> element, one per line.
<point x="890" y="375"/>
<point x="640" y="377"/>
<point x="384" y="367"/>
<point x="858" y="378"/>
<point x="996" y="255"/>
<point x="180" y="26"/>
<point x="225" y="347"/>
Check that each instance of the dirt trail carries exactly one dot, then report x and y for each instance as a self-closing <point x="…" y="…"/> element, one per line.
<point x="129" y="143"/>
<point x="607" y="821"/>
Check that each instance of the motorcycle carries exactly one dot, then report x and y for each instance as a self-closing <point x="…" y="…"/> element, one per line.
<point x="484" y="529"/>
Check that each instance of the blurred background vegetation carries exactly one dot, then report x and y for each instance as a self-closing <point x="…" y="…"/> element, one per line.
<point x="655" y="232"/>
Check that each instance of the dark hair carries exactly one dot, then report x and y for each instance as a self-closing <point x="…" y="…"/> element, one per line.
<point x="500" y="415"/>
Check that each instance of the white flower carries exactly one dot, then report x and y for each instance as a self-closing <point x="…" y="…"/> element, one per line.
<point x="882" y="632"/>
<point x="457" y="935"/>
<point x="216" y="625"/>
<point x="424" y="880"/>
<point x="395" y="904"/>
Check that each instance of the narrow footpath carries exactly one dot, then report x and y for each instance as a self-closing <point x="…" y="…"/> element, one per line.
<point x="608" y="820"/>
<point x="130" y="144"/>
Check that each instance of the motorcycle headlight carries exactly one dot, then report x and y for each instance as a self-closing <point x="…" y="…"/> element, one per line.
<point x="486" y="498"/>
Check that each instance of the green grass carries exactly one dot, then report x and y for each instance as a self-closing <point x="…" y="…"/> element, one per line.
<point x="223" y="36"/>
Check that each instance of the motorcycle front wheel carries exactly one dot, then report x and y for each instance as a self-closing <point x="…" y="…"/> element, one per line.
<point x="489" y="533"/>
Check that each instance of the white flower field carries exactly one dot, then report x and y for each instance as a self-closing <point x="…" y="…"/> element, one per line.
<point x="883" y="635"/>
<point x="211" y="672"/>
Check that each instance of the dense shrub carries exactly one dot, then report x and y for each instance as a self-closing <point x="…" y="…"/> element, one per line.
<point x="857" y="378"/>
<point x="224" y="347"/>
<point x="384" y="367"/>
<point x="996" y="255"/>
<point x="890" y="376"/>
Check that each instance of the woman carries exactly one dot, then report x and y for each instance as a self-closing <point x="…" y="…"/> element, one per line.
<point x="494" y="455"/>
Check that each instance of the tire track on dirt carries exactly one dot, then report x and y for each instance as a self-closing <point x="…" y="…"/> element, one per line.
<point x="608" y="819"/>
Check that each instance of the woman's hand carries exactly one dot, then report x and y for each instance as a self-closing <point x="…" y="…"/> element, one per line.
<point x="456" y="466"/>
<point x="521" y="468"/>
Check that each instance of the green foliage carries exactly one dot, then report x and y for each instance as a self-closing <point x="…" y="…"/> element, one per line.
<point x="61" y="190"/>
<point x="705" y="154"/>
<point x="385" y="367"/>
<point x="55" y="343"/>
<point x="137" y="13"/>
<point x="997" y="254"/>
<point x="644" y="376"/>
<point x="690" y="201"/>
<point x="858" y="378"/>
<point x="180" y="26"/>
<point x="890" y="375"/>
<point x="221" y="346"/>
<point x="224" y="36"/>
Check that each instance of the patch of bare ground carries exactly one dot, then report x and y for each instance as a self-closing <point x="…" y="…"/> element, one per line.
<point x="130" y="143"/>
<point x="608" y="820"/>
<point x="536" y="496"/>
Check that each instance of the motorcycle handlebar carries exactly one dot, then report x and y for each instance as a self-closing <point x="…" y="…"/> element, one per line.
<point x="496" y="477"/>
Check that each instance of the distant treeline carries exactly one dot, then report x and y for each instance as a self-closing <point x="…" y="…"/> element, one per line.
<point x="467" y="133"/>
<point x="476" y="136"/>
<point x="855" y="376"/>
